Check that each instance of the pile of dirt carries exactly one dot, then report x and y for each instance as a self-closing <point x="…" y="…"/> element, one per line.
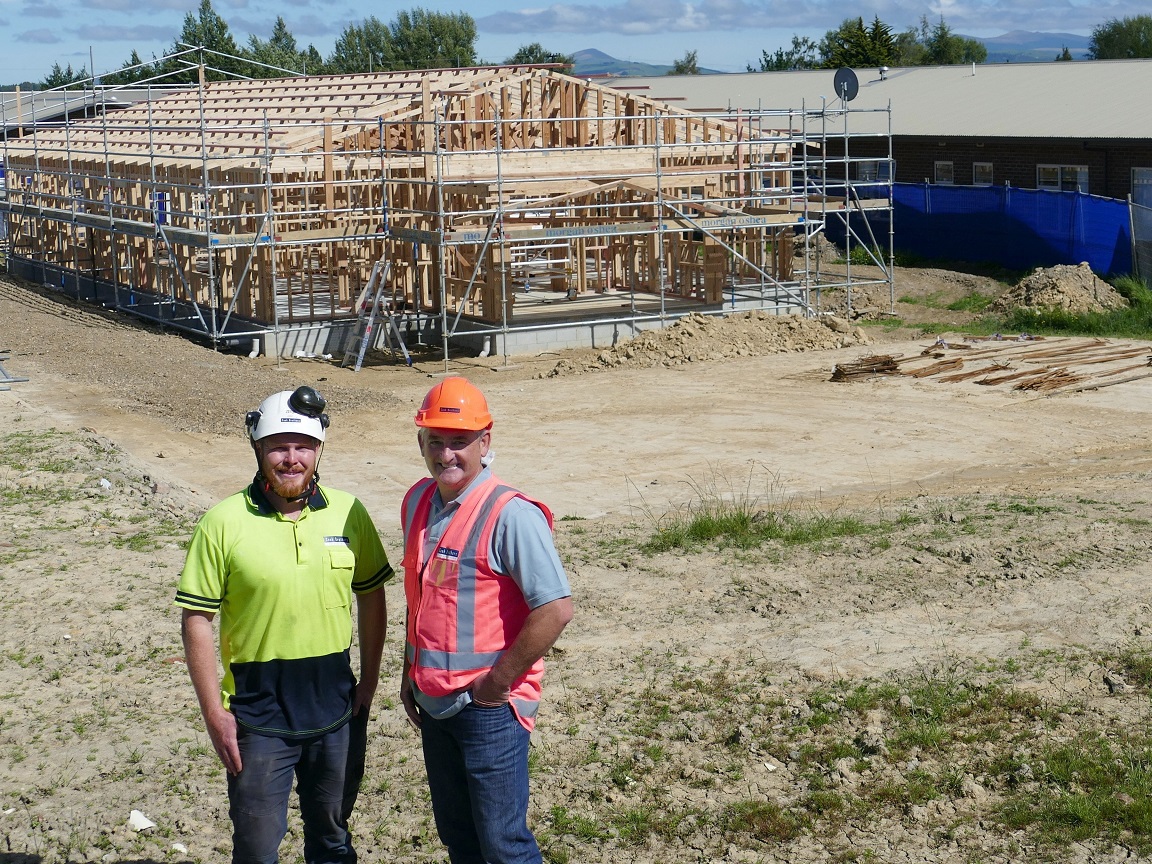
<point x="924" y="295"/>
<point x="819" y="248"/>
<point x="697" y="338"/>
<point x="1073" y="289"/>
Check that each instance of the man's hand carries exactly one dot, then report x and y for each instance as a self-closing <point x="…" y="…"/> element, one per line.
<point x="409" y="702"/>
<point x="541" y="629"/>
<point x="200" y="654"/>
<point x="222" y="730"/>
<point x="362" y="699"/>
<point x="487" y="693"/>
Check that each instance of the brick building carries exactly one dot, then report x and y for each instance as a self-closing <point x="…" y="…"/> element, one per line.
<point x="1080" y="125"/>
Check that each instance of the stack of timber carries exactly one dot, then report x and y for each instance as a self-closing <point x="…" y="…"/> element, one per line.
<point x="949" y="365"/>
<point x="1084" y="364"/>
<point x="875" y="364"/>
<point x="975" y="373"/>
<point x="1052" y="379"/>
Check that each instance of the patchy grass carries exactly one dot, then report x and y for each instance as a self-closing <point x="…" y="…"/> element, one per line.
<point x="1134" y="662"/>
<point x="930" y="301"/>
<point x="727" y="515"/>
<point x="858" y="752"/>
<point x="1090" y="788"/>
<point x="747" y="529"/>
<point x="974" y="301"/>
<point x="863" y="256"/>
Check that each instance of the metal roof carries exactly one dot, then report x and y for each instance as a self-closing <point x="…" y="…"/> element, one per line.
<point x="29" y="107"/>
<point x="1080" y="99"/>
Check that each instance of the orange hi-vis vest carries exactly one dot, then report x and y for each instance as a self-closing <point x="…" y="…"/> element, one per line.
<point x="462" y="614"/>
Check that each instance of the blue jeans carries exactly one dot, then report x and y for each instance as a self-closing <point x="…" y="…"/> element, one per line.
<point x="477" y="763"/>
<point x="328" y="770"/>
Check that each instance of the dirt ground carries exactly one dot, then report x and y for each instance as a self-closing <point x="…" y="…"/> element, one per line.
<point x="1021" y="534"/>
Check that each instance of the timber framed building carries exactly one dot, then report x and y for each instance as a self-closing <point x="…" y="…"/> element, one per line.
<point x="510" y="202"/>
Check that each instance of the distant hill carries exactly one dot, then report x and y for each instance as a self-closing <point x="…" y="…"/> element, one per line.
<point x="1029" y="46"/>
<point x="1019" y="46"/>
<point x="593" y="62"/>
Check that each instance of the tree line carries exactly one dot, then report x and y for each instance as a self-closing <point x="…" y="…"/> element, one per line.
<point x="855" y="44"/>
<point x="422" y="39"/>
<point x="414" y="39"/>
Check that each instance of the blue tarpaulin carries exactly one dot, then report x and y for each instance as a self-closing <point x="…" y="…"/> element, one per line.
<point x="1017" y="228"/>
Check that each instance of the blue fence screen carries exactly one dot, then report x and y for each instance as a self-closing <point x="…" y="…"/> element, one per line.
<point x="1017" y="228"/>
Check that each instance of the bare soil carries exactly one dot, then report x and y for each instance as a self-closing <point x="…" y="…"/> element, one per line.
<point x="1009" y="543"/>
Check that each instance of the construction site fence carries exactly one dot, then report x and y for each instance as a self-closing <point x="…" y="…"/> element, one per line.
<point x="1019" y="229"/>
<point x="1141" y="240"/>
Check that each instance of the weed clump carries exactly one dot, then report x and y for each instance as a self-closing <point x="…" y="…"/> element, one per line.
<point x="722" y="514"/>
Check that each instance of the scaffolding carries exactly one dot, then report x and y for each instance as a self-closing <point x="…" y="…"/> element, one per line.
<point x="505" y="201"/>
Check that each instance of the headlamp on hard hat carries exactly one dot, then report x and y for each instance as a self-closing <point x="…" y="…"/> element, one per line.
<point x="307" y="401"/>
<point x="300" y="410"/>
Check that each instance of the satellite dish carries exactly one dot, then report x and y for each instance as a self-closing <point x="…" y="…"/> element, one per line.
<point x="846" y="84"/>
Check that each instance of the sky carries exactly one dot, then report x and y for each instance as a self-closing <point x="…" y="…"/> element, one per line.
<point x="727" y="35"/>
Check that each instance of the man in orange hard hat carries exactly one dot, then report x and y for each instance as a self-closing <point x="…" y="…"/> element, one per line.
<point x="487" y="597"/>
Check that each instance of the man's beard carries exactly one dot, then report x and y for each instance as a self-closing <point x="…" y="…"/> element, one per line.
<point x="288" y="490"/>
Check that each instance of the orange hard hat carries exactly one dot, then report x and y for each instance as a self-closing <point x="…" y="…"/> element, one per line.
<point x="455" y="403"/>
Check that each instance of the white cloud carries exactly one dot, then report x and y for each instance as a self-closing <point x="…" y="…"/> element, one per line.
<point x="43" y="36"/>
<point x="134" y="5"/>
<point x="309" y="25"/>
<point x="139" y="33"/>
<point x="305" y="28"/>
<point x="41" y="10"/>
<point x="642" y="17"/>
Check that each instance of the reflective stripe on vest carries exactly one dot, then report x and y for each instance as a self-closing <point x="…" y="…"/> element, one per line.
<point x="462" y="615"/>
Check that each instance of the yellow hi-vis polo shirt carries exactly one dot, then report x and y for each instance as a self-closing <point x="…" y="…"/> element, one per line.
<point x="284" y="589"/>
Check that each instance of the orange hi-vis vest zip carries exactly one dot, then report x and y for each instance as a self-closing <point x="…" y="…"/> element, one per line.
<point x="462" y="614"/>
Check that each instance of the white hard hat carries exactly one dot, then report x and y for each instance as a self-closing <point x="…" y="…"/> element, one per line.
<point x="300" y="411"/>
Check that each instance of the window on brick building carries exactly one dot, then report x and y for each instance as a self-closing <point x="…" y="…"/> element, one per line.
<point x="1067" y="178"/>
<point x="1142" y="186"/>
<point x="944" y="174"/>
<point x="981" y="173"/>
<point x="874" y="170"/>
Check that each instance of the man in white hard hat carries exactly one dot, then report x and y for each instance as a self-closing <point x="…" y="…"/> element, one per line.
<point x="280" y="561"/>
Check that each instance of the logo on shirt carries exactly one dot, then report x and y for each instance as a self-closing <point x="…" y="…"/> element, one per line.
<point x="446" y="561"/>
<point x="336" y="540"/>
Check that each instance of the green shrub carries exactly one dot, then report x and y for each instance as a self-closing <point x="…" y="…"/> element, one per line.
<point x="973" y="302"/>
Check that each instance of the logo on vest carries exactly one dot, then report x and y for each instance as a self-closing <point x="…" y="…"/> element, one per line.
<point x="336" y="540"/>
<point x="445" y="557"/>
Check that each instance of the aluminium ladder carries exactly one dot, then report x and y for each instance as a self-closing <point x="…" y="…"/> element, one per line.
<point x="369" y="306"/>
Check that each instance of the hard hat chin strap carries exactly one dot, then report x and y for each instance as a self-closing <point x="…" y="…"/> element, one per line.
<point x="310" y="491"/>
